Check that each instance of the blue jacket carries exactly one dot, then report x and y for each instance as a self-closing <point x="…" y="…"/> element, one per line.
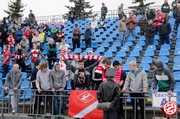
<point x="88" y="34"/>
<point x="19" y="35"/>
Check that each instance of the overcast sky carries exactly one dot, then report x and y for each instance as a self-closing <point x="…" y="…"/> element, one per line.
<point x="55" y="7"/>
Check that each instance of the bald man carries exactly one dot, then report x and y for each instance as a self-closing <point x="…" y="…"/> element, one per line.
<point x="12" y="84"/>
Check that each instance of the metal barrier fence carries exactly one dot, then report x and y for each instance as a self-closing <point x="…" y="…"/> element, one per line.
<point x="48" y="104"/>
<point x="60" y="17"/>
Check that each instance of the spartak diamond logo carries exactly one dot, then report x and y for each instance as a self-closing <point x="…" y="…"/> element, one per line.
<point x="86" y="97"/>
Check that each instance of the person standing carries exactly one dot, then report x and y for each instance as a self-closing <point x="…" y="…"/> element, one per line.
<point x="104" y="11"/>
<point x="94" y="24"/>
<point x="122" y="29"/>
<point x="25" y="43"/>
<point x="164" y="31"/>
<point x="6" y="59"/>
<point x="120" y="11"/>
<point x="76" y="37"/>
<point x="150" y="14"/>
<point x="43" y="85"/>
<point x="11" y="42"/>
<point x="52" y="56"/>
<point x="60" y="36"/>
<point x="37" y="98"/>
<point x="13" y="84"/>
<point x="177" y="17"/>
<point x="137" y="83"/>
<point x="165" y="8"/>
<point x="142" y="24"/>
<point x="72" y="15"/>
<point x="64" y="48"/>
<point x="31" y="17"/>
<point x="19" y="56"/>
<point x="120" y="79"/>
<point x="58" y="84"/>
<point x="34" y="53"/>
<point x="131" y="24"/>
<point x="4" y="36"/>
<point x="149" y="33"/>
<point x="163" y="78"/>
<point x="109" y="92"/>
<point x="88" y="36"/>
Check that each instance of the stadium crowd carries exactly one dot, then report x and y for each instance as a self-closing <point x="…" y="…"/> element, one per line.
<point x="24" y="39"/>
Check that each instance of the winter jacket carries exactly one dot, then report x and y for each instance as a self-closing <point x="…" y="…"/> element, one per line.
<point x="122" y="26"/>
<point x="43" y="80"/>
<point x="19" y="34"/>
<point x="130" y="23"/>
<point x="120" y="9"/>
<point x="58" y="79"/>
<point x="53" y="33"/>
<point x="88" y="34"/>
<point x="136" y="81"/>
<point x="149" y="30"/>
<point x="52" y="51"/>
<point x="109" y="91"/>
<point x="13" y="80"/>
<point x="163" y="78"/>
<point x="104" y="10"/>
<point x="142" y="23"/>
<point x="164" y="29"/>
<point x="76" y="34"/>
<point x="158" y="20"/>
<point x="165" y="8"/>
<point x="33" y="77"/>
<point x="150" y="15"/>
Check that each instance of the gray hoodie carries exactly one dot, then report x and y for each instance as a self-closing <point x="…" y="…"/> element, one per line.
<point x="136" y="83"/>
<point x="43" y="80"/>
<point x="13" y="80"/>
<point x="58" y="79"/>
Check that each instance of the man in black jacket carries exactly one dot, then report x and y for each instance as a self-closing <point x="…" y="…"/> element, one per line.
<point x="37" y="99"/>
<point x="177" y="17"/>
<point x="109" y="91"/>
<point x="149" y="33"/>
<point x="150" y="14"/>
<point x="81" y="74"/>
<point x="164" y="31"/>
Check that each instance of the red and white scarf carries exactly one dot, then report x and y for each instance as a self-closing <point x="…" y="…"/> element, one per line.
<point x="81" y="57"/>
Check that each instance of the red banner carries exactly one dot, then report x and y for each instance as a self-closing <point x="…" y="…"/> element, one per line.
<point x="82" y="104"/>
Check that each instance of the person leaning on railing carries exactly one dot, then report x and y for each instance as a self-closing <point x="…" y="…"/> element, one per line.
<point x="137" y="83"/>
<point x="162" y="77"/>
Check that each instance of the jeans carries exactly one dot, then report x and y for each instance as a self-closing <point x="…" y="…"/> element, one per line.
<point x="110" y="115"/>
<point x="149" y="41"/>
<point x="129" y="31"/>
<point x="32" y="65"/>
<point x="6" y="69"/>
<point x="72" y="20"/>
<point x="76" y="42"/>
<point x="122" y="37"/>
<point x="47" y="101"/>
<point x="164" y="39"/>
<point x="103" y="16"/>
<point x="177" y="25"/>
<point x="134" y="102"/>
<point x="22" y="65"/>
<point x="88" y="42"/>
<point x="50" y="60"/>
<point x="58" y="106"/>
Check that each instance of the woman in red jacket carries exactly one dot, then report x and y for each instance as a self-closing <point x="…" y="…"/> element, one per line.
<point x="158" y="20"/>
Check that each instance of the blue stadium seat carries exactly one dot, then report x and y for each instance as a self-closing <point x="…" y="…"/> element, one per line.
<point x="177" y="46"/>
<point x="24" y="75"/>
<point x="164" y="59"/>
<point x="142" y="38"/>
<point x="121" y="54"/>
<point x="83" y="53"/>
<point x="137" y="48"/>
<point x="27" y="95"/>
<point x="129" y="59"/>
<point x="82" y="45"/>
<point x="149" y="53"/>
<point x="140" y="43"/>
<point x="126" y="67"/>
<point x="100" y="49"/>
<point x="151" y="47"/>
<point x="176" y="66"/>
<point x="164" y="53"/>
<point x="165" y="47"/>
<point x="145" y="66"/>
<point x="118" y="59"/>
<point x="112" y="49"/>
<point x="89" y="49"/>
<point x="146" y="60"/>
<point x="125" y="48"/>
<point x="135" y="54"/>
<point x="94" y="45"/>
<point x="99" y="40"/>
<point x="0" y="94"/>
<point x="177" y="52"/>
<point x="108" y="55"/>
<point x="25" y="85"/>
<point x="0" y="84"/>
<point x="109" y="40"/>
<point x="77" y="50"/>
<point x="96" y="53"/>
<point x="177" y="76"/>
<point x="128" y="44"/>
<point x="105" y="45"/>
<point x="177" y="59"/>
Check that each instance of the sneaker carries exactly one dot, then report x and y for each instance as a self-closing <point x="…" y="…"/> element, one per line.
<point x="13" y="112"/>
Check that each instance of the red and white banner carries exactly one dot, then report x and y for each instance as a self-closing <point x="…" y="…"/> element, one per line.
<point x="82" y="104"/>
<point x="60" y="23"/>
<point x="81" y="57"/>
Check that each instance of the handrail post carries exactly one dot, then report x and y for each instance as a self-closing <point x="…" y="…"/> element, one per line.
<point x="2" y="105"/>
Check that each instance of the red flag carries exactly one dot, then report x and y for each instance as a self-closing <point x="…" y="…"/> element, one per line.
<point x="82" y="104"/>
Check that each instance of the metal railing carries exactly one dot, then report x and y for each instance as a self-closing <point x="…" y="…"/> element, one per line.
<point x="48" y="104"/>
